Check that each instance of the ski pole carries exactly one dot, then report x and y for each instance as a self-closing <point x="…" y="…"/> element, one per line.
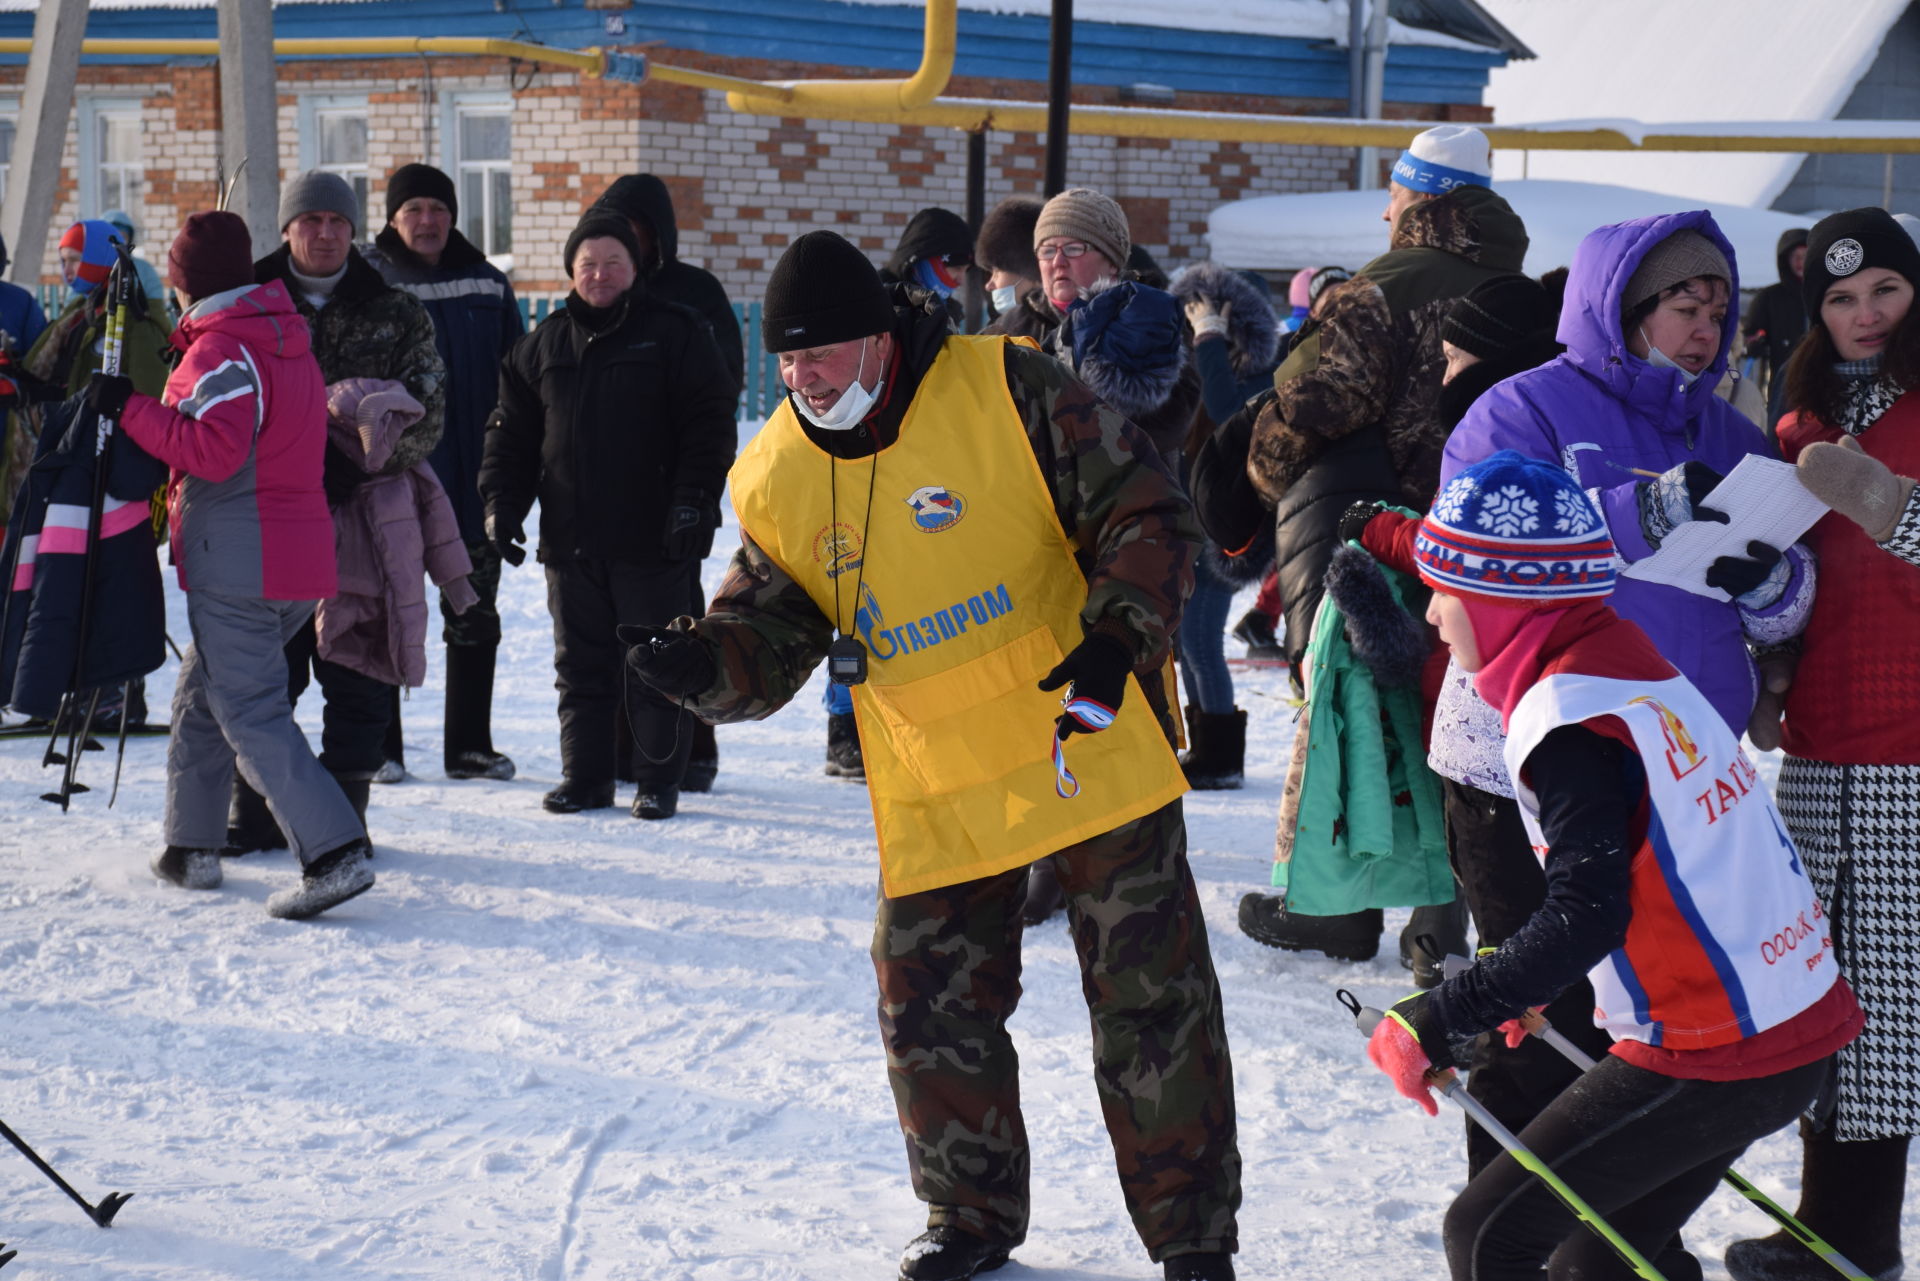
<point x="102" y="1214"/>
<point x="1448" y="1083"/>
<point x="1537" y="1024"/>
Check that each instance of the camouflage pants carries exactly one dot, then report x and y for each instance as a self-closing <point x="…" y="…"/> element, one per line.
<point x="479" y="627"/>
<point x="949" y="968"/>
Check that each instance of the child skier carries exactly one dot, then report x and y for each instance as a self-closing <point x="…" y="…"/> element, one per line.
<point x="1671" y="884"/>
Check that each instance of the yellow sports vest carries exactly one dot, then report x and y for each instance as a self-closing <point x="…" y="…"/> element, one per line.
<point x="965" y="591"/>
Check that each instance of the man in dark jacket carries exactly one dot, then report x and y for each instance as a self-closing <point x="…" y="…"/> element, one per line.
<point x="361" y="327"/>
<point x="1355" y="416"/>
<point x="1778" y="319"/>
<point x="475" y="322"/>
<point x="617" y="413"/>
<point x="646" y="203"/>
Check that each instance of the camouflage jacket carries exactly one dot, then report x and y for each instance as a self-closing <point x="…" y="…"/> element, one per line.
<point x="1373" y="356"/>
<point x="1132" y="529"/>
<point x="369" y="329"/>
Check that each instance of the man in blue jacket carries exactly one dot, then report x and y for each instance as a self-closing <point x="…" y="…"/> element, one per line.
<point x="475" y="321"/>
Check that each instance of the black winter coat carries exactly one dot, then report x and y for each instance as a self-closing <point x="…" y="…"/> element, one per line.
<point x="475" y="321"/>
<point x="609" y="418"/>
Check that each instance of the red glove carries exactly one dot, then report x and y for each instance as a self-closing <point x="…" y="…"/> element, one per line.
<point x="1519" y="1029"/>
<point x="1396" y="1051"/>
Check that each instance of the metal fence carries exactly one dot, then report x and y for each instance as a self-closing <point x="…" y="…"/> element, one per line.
<point x="760" y="397"/>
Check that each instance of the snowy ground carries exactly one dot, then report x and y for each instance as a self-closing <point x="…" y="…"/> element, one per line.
<point x="576" y="1048"/>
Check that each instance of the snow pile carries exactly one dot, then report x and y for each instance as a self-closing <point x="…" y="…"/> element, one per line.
<point x="1709" y="60"/>
<point x="1308" y="230"/>
<point x="584" y="1048"/>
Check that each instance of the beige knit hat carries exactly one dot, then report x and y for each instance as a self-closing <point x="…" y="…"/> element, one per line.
<point x="1085" y="214"/>
<point x="1681" y="256"/>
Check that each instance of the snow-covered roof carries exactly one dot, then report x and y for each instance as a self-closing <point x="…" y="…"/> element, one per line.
<point x="1704" y="60"/>
<point x="1314" y="229"/>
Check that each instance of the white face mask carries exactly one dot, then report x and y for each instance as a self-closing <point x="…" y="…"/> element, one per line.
<point x="1660" y="360"/>
<point x="853" y="405"/>
<point x="1005" y="299"/>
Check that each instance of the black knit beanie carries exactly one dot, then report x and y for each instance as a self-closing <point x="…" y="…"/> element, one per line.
<point x="1005" y="242"/>
<point x="1851" y="241"/>
<point x="596" y="223"/>
<point x="409" y="181"/>
<point x="1500" y="316"/>
<point x="823" y="291"/>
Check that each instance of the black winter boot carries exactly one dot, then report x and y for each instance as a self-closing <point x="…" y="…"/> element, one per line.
<point x="358" y="789"/>
<point x="1044" y="896"/>
<point x="1216" y="755"/>
<point x="251" y="826"/>
<point x="331" y="879"/>
<point x="843" y="748"/>
<point x="1352" y="936"/>
<point x="393" y="748"/>
<point x="950" y="1254"/>
<point x="1255" y="631"/>
<point x="469" y="728"/>
<point x="571" y="797"/>
<point x="703" y="761"/>
<point x="1851" y="1194"/>
<point x="656" y="801"/>
<point x="1445" y="927"/>
<point x="1198" y="1267"/>
<point x="189" y="869"/>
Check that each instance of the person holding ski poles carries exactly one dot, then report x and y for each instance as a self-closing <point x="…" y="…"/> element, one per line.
<point x="1671" y="883"/>
<point x="960" y="528"/>
<point x="242" y="424"/>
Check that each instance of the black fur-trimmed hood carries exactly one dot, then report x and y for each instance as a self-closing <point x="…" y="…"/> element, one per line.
<point x="1386" y="638"/>
<point x="1253" y="328"/>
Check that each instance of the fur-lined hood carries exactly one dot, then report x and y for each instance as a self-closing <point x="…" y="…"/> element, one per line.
<point x="1134" y="381"/>
<point x="1253" y="327"/>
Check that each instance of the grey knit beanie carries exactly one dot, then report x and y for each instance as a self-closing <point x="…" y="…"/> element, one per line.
<point x="317" y="191"/>
<point x="1084" y="214"/>
<point x="1681" y="256"/>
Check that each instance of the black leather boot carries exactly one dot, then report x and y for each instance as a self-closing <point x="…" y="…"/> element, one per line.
<point x="469" y="725"/>
<point x="250" y="824"/>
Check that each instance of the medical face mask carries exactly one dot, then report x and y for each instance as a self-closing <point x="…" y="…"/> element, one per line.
<point x="853" y="405"/>
<point x="1005" y="299"/>
<point x="1660" y="360"/>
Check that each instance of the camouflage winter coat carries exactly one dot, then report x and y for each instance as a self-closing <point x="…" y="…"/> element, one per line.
<point x="1132" y="528"/>
<point x="369" y="329"/>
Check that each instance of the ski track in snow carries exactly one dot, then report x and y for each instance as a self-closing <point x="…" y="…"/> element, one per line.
<point x="585" y="1048"/>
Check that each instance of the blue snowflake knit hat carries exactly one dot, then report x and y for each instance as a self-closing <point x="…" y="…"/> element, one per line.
<point x="1517" y="532"/>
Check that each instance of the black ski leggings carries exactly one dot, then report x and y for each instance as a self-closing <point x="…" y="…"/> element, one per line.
<point x="1644" y="1150"/>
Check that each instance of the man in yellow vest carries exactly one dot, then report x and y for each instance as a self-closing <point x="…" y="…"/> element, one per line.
<point x="965" y="533"/>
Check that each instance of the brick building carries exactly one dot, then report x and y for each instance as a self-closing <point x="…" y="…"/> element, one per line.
<point x="530" y="146"/>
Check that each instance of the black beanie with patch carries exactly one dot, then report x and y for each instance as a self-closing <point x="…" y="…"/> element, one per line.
<point x="823" y="291"/>
<point x="1844" y="243"/>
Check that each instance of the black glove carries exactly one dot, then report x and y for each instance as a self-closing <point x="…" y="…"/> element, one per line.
<point x="1355" y="519"/>
<point x="107" y="394"/>
<point x="1737" y="576"/>
<point x="507" y="535"/>
<point x="339" y="476"/>
<point x="1098" y="668"/>
<point x="687" y="526"/>
<point x="673" y="662"/>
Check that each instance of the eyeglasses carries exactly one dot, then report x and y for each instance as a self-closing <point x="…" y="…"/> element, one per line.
<point x="1071" y="249"/>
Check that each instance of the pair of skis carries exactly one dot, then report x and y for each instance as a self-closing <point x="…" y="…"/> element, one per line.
<point x="1449" y="1084"/>
<point x="80" y="704"/>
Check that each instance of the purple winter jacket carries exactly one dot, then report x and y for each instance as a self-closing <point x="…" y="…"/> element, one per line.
<point x="1599" y="410"/>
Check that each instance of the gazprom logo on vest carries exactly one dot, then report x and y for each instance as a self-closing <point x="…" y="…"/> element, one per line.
<point x="884" y="642"/>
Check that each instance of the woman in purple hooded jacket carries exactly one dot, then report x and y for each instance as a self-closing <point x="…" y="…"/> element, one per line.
<point x="1647" y="321"/>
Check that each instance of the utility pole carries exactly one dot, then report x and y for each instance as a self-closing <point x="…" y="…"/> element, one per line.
<point x="1059" y="90"/>
<point x="1373" y="79"/>
<point x="249" y="117"/>
<point x="46" y="104"/>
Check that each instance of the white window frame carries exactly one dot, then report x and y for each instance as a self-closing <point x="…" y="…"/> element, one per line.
<point x="93" y="196"/>
<point x="473" y="222"/>
<point x="311" y="108"/>
<point x="10" y="113"/>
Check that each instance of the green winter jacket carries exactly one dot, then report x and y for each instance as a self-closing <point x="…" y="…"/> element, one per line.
<point x="1367" y="830"/>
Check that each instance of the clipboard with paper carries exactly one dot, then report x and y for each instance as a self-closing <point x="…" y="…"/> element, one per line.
<point x="1763" y="500"/>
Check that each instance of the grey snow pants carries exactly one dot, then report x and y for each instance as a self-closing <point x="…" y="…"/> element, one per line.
<point x="230" y="708"/>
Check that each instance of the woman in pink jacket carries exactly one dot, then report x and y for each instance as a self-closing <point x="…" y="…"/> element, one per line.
<point x="242" y="423"/>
